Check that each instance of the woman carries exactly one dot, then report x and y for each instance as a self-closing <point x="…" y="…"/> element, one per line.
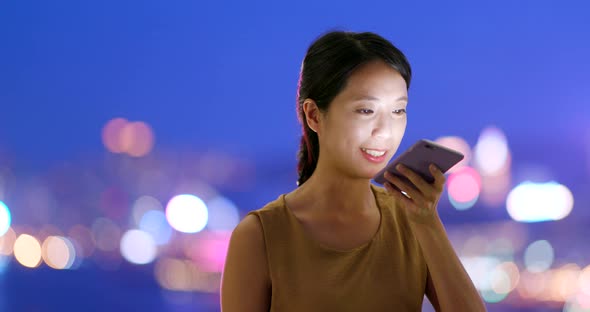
<point x="338" y="242"/>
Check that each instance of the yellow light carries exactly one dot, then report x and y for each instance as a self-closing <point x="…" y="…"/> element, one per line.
<point x="27" y="251"/>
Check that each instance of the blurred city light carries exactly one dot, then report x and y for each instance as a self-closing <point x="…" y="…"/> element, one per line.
<point x="208" y="250"/>
<point x="479" y="269"/>
<point x="4" y="260"/>
<point x="144" y="204"/>
<point x="5" y="219"/>
<point x="491" y="152"/>
<point x="154" y="222"/>
<point x="111" y="135"/>
<point x="495" y="189"/>
<point x="138" y="247"/>
<point x="58" y="252"/>
<point x="182" y="275"/>
<point x="137" y="139"/>
<point x="7" y="242"/>
<point x="538" y="256"/>
<point x="27" y="251"/>
<point x="535" y="202"/>
<point x="505" y="277"/>
<point x="565" y="282"/>
<point x="584" y="280"/>
<point x="187" y="213"/>
<point x="464" y="186"/>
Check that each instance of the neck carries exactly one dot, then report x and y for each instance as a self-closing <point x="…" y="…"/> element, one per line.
<point x="330" y="192"/>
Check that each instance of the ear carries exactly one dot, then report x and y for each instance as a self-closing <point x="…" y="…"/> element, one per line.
<point x="312" y="114"/>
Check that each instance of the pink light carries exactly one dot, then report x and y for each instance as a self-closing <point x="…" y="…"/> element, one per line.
<point x="464" y="185"/>
<point x="210" y="250"/>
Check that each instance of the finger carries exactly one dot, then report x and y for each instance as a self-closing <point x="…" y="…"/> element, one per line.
<point x="398" y="195"/>
<point x="417" y="180"/>
<point x="403" y="186"/>
<point x="439" y="177"/>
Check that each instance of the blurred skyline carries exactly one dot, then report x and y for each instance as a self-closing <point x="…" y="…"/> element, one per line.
<point x="111" y="111"/>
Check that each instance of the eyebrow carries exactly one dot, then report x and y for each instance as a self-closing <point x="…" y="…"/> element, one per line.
<point x="372" y="98"/>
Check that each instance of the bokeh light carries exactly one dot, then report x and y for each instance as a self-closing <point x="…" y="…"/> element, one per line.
<point x="138" y="247"/>
<point x="7" y="242"/>
<point x="111" y="135"/>
<point x="491" y="153"/>
<point x="576" y="306"/>
<point x="538" y="256"/>
<point x="534" y="202"/>
<point x="154" y="222"/>
<point x="4" y="260"/>
<point x="27" y="251"/>
<point x="479" y="269"/>
<point x="458" y="144"/>
<point x="144" y="204"/>
<point x="223" y="214"/>
<point x="187" y="213"/>
<point x="137" y="139"/>
<point x="505" y="278"/>
<point x="495" y="188"/>
<point x="464" y="186"/>
<point x="5" y="218"/>
<point x="584" y="280"/>
<point x="532" y="285"/>
<point x="58" y="252"/>
<point x="183" y="275"/>
<point x="501" y="248"/>
<point x="208" y="250"/>
<point x="565" y="282"/>
<point x="474" y="246"/>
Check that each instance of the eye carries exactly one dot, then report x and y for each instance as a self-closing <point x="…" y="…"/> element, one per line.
<point x="364" y="111"/>
<point x="400" y="111"/>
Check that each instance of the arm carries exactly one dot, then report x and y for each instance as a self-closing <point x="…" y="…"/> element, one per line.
<point x="245" y="284"/>
<point x="448" y="285"/>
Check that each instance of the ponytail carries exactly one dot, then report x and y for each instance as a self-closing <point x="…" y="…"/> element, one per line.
<point x="309" y="150"/>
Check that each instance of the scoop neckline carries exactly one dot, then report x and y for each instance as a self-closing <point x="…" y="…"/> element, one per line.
<point x="330" y="249"/>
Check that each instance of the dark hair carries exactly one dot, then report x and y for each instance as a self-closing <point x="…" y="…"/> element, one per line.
<point x="329" y="62"/>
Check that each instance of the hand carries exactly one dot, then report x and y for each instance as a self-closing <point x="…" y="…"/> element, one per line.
<point x="422" y="197"/>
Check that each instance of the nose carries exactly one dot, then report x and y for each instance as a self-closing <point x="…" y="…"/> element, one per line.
<point x="383" y="126"/>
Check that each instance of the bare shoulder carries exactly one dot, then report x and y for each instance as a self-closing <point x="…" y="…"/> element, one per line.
<point x="245" y="283"/>
<point x="247" y="241"/>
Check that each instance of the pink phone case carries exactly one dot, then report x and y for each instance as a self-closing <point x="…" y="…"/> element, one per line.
<point x="419" y="156"/>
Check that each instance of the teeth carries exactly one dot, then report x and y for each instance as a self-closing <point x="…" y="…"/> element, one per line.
<point x="372" y="152"/>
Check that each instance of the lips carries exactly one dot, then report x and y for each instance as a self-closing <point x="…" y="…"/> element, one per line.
<point x="374" y="155"/>
<point x="374" y="152"/>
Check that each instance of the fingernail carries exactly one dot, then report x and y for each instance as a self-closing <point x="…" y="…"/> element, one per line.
<point x="399" y="167"/>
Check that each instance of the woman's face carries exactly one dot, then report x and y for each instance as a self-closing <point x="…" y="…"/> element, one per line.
<point x="365" y="123"/>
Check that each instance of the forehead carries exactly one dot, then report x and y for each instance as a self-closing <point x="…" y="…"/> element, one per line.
<point x="376" y="79"/>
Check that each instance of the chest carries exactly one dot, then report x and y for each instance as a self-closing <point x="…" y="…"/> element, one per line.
<point x="345" y="234"/>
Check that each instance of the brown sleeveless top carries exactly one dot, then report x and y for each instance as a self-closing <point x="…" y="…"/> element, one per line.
<point x="386" y="274"/>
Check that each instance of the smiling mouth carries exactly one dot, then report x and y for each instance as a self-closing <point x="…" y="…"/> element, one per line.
<point x="374" y="153"/>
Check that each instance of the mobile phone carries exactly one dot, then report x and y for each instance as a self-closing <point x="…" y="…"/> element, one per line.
<point x="418" y="157"/>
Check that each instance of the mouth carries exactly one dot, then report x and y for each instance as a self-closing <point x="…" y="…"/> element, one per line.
<point x="373" y="152"/>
